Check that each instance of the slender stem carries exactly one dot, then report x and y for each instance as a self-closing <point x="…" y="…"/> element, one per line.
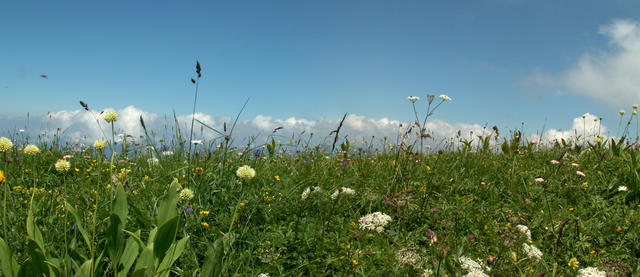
<point x="4" y="201"/>
<point x="193" y="115"/>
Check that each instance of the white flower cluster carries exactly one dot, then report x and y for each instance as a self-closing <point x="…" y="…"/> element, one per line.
<point x="591" y="272"/>
<point x="343" y="190"/>
<point x="472" y="267"/>
<point x="532" y="251"/>
<point x="427" y="272"/>
<point x="524" y="230"/>
<point x="308" y="191"/>
<point x="374" y="221"/>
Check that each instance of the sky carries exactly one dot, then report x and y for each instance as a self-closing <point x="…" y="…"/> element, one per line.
<point x="306" y="63"/>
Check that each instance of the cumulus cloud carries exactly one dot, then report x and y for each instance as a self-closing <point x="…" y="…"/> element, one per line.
<point x="587" y="127"/>
<point x="611" y="75"/>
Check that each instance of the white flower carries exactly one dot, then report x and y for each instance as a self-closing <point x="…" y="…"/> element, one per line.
<point x="532" y="251"/>
<point x="476" y="274"/>
<point x="186" y="194"/>
<point x="153" y="161"/>
<point x="348" y="191"/>
<point x="407" y="256"/>
<point x="21" y="130"/>
<point x="622" y="188"/>
<point x="444" y="97"/>
<point x="5" y="144"/>
<point x="305" y="193"/>
<point x="263" y="275"/>
<point x="31" y="149"/>
<point x="62" y="165"/>
<point x="524" y="230"/>
<point x="99" y="144"/>
<point x="426" y="273"/>
<point x="374" y="221"/>
<point x="167" y="153"/>
<point x="196" y="141"/>
<point x="111" y="116"/>
<point x="468" y="264"/>
<point x="413" y="99"/>
<point x="245" y="172"/>
<point x="334" y="195"/>
<point x="591" y="272"/>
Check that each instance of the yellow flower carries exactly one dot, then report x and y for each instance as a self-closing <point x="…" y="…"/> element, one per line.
<point x="146" y="177"/>
<point x="204" y="212"/>
<point x="111" y="116"/>
<point x="571" y="209"/>
<point x="634" y="106"/>
<point x="245" y="172"/>
<point x="5" y="144"/>
<point x="1" y="177"/>
<point x="483" y="183"/>
<point x="354" y="262"/>
<point x="618" y="229"/>
<point x="514" y="256"/>
<point x="31" y="149"/>
<point x="622" y="112"/>
<point x="242" y="204"/>
<point x="62" y="165"/>
<point x="574" y="263"/>
<point x="99" y="144"/>
<point x="204" y="224"/>
<point x="277" y="177"/>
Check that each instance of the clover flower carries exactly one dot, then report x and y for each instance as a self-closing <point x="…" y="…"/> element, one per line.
<point x="31" y="149"/>
<point x="374" y="221"/>
<point x="111" y="116"/>
<point x="5" y="144"/>
<point x="62" y="165"/>
<point x="186" y="194"/>
<point x="245" y="172"/>
<point x="99" y="144"/>
<point x="444" y="97"/>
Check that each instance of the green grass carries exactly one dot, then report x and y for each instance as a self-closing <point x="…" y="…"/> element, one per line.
<point x="443" y="205"/>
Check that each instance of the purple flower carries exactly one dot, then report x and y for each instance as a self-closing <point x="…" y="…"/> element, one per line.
<point x="18" y="158"/>
<point x="357" y="234"/>
<point x="431" y="233"/>
<point x="257" y="153"/>
<point x="164" y="148"/>
<point x="74" y="227"/>
<point x="188" y="210"/>
<point x="433" y="210"/>
<point x="526" y="200"/>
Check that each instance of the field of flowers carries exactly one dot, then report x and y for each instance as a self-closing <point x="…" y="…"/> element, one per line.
<point x="516" y="209"/>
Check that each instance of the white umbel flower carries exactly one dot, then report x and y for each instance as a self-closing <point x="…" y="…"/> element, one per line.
<point x="444" y="97"/>
<point x="591" y="272"/>
<point x="374" y="221"/>
<point x="524" y="230"/>
<point x="532" y="251"/>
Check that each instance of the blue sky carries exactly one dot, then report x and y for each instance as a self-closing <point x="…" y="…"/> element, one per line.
<point x="502" y="61"/>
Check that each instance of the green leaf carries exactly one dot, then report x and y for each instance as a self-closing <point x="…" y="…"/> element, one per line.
<point x="78" y="222"/>
<point x="32" y="229"/>
<point x="38" y="265"/>
<point x="128" y="256"/>
<point x="167" y="206"/>
<point x="173" y="253"/>
<point x="8" y="265"/>
<point x="85" y="269"/>
<point x="120" y="206"/>
<point x="136" y="237"/>
<point x="212" y="264"/>
<point x="145" y="261"/>
<point x="115" y="239"/>
<point x="165" y="237"/>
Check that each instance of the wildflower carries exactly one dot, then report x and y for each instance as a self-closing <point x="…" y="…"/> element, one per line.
<point x="31" y="149"/>
<point x="575" y="165"/>
<point x="574" y="263"/>
<point x="334" y="195"/>
<point x="524" y="230"/>
<point x="245" y="172"/>
<point x="305" y="193"/>
<point x="204" y="224"/>
<point x="618" y="229"/>
<point x="263" y="275"/>
<point x="111" y="116"/>
<point x="153" y="161"/>
<point x="99" y="144"/>
<point x="196" y="141"/>
<point x="167" y="153"/>
<point x="186" y="194"/>
<point x="407" y="256"/>
<point x="374" y="221"/>
<point x="470" y="237"/>
<point x="204" y="212"/>
<point x="539" y="180"/>
<point x="1" y="177"/>
<point x="622" y="188"/>
<point x="67" y="156"/>
<point x="532" y="251"/>
<point x="526" y="201"/>
<point x="413" y="99"/>
<point x="472" y="266"/>
<point x="444" y="97"/>
<point x="188" y="210"/>
<point x="348" y="191"/>
<point x="634" y="112"/>
<point x="621" y="112"/>
<point x="62" y="165"/>
<point x="277" y="177"/>
<point x="580" y="173"/>
<point x="591" y="272"/>
<point x="5" y="144"/>
<point x="427" y="272"/>
<point x="555" y="162"/>
<point x="635" y="106"/>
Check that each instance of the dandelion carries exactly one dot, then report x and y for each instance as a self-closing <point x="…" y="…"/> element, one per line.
<point x="245" y="172"/>
<point x="622" y="188"/>
<point x="5" y="144"/>
<point x="62" y="165"/>
<point x="99" y="144"/>
<point x="591" y="272"/>
<point x="444" y="97"/>
<point x="580" y="173"/>
<point x="413" y="99"/>
<point x="374" y="221"/>
<point x="574" y="263"/>
<point x="532" y="251"/>
<point x="555" y="162"/>
<point x="186" y="194"/>
<point x="204" y="224"/>
<point x="31" y="150"/>
<point x="111" y="116"/>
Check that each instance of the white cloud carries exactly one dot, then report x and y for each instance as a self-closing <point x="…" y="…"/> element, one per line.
<point x="587" y="126"/>
<point x="612" y="76"/>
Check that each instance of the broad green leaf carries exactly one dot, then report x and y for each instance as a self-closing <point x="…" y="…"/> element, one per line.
<point x="38" y="265"/>
<point x="8" y="265"/>
<point x="120" y="206"/>
<point x="212" y="264"/>
<point x="136" y="237"/>
<point x="165" y="237"/>
<point x="85" y="269"/>
<point x="167" y="207"/>
<point x="173" y="253"/>
<point x="32" y="229"/>
<point x="115" y="238"/>
<point x="78" y="222"/>
<point x="145" y="260"/>
<point x="128" y="256"/>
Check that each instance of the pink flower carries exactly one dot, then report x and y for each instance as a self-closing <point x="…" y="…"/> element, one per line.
<point x="433" y="210"/>
<point x="580" y="173"/>
<point x="67" y="156"/>
<point x="539" y="180"/>
<point x="555" y="162"/>
<point x="526" y="200"/>
<point x="575" y="165"/>
<point x="470" y="237"/>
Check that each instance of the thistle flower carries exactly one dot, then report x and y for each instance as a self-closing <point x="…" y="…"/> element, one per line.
<point x="31" y="149"/>
<point x="111" y="116"/>
<point x="186" y="194"/>
<point x="99" y="144"/>
<point x="62" y="165"/>
<point x="444" y="97"/>
<point x="245" y="172"/>
<point x="5" y="144"/>
<point x="413" y="99"/>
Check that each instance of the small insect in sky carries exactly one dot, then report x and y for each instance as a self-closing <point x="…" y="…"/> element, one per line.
<point x="44" y="76"/>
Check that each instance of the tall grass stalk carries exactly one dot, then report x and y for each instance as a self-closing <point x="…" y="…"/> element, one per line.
<point x="195" y="100"/>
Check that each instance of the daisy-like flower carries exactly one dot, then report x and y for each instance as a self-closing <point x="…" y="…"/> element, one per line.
<point x="186" y="194"/>
<point x="413" y="99"/>
<point x="99" y="144"/>
<point x="444" y="97"/>
<point x="245" y="172"/>
<point x="111" y="116"/>
<point x="62" y="165"/>
<point x="532" y="251"/>
<point x="591" y="272"/>
<point x="622" y="188"/>
<point x="580" y="173"/>
<point x="31" y="149"/>
<point x="5" y="144"/>
<point x="374" y="221"/>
